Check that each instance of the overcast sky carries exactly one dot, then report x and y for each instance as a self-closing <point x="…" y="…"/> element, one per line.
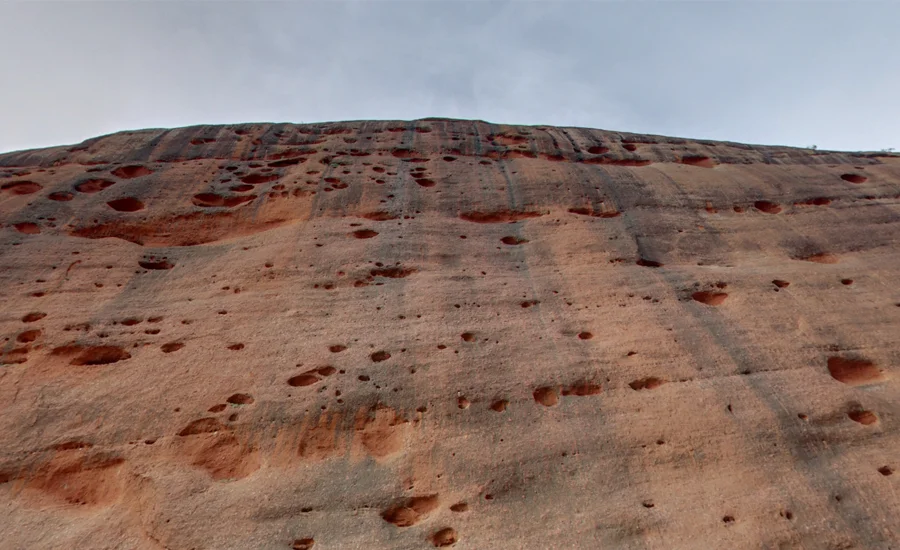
<point x="790" y="72"/>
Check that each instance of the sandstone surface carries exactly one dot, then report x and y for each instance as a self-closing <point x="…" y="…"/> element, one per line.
<point x="447" y="333"/>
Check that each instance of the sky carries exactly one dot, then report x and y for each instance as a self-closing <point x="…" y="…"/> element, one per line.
<point x="790" y="72"/>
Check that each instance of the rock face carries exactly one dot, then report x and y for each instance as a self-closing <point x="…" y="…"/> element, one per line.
<point x="447" y="333"/>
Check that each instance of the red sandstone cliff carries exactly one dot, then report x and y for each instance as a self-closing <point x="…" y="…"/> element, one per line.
<point x="434" y="333"/>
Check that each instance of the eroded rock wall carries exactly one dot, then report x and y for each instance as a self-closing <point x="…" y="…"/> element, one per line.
<point x="435" y="333"/>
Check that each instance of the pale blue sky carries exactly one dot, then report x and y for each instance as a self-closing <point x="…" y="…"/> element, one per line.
<point x="790" y="72"/>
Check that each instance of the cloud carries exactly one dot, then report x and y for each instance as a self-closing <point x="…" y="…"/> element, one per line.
<point x="793" y="73"/>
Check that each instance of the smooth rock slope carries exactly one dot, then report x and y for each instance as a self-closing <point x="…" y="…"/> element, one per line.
<point x="447" y="333"/>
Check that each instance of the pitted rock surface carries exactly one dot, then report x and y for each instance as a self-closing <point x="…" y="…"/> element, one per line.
<point x="447" y="333"/>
